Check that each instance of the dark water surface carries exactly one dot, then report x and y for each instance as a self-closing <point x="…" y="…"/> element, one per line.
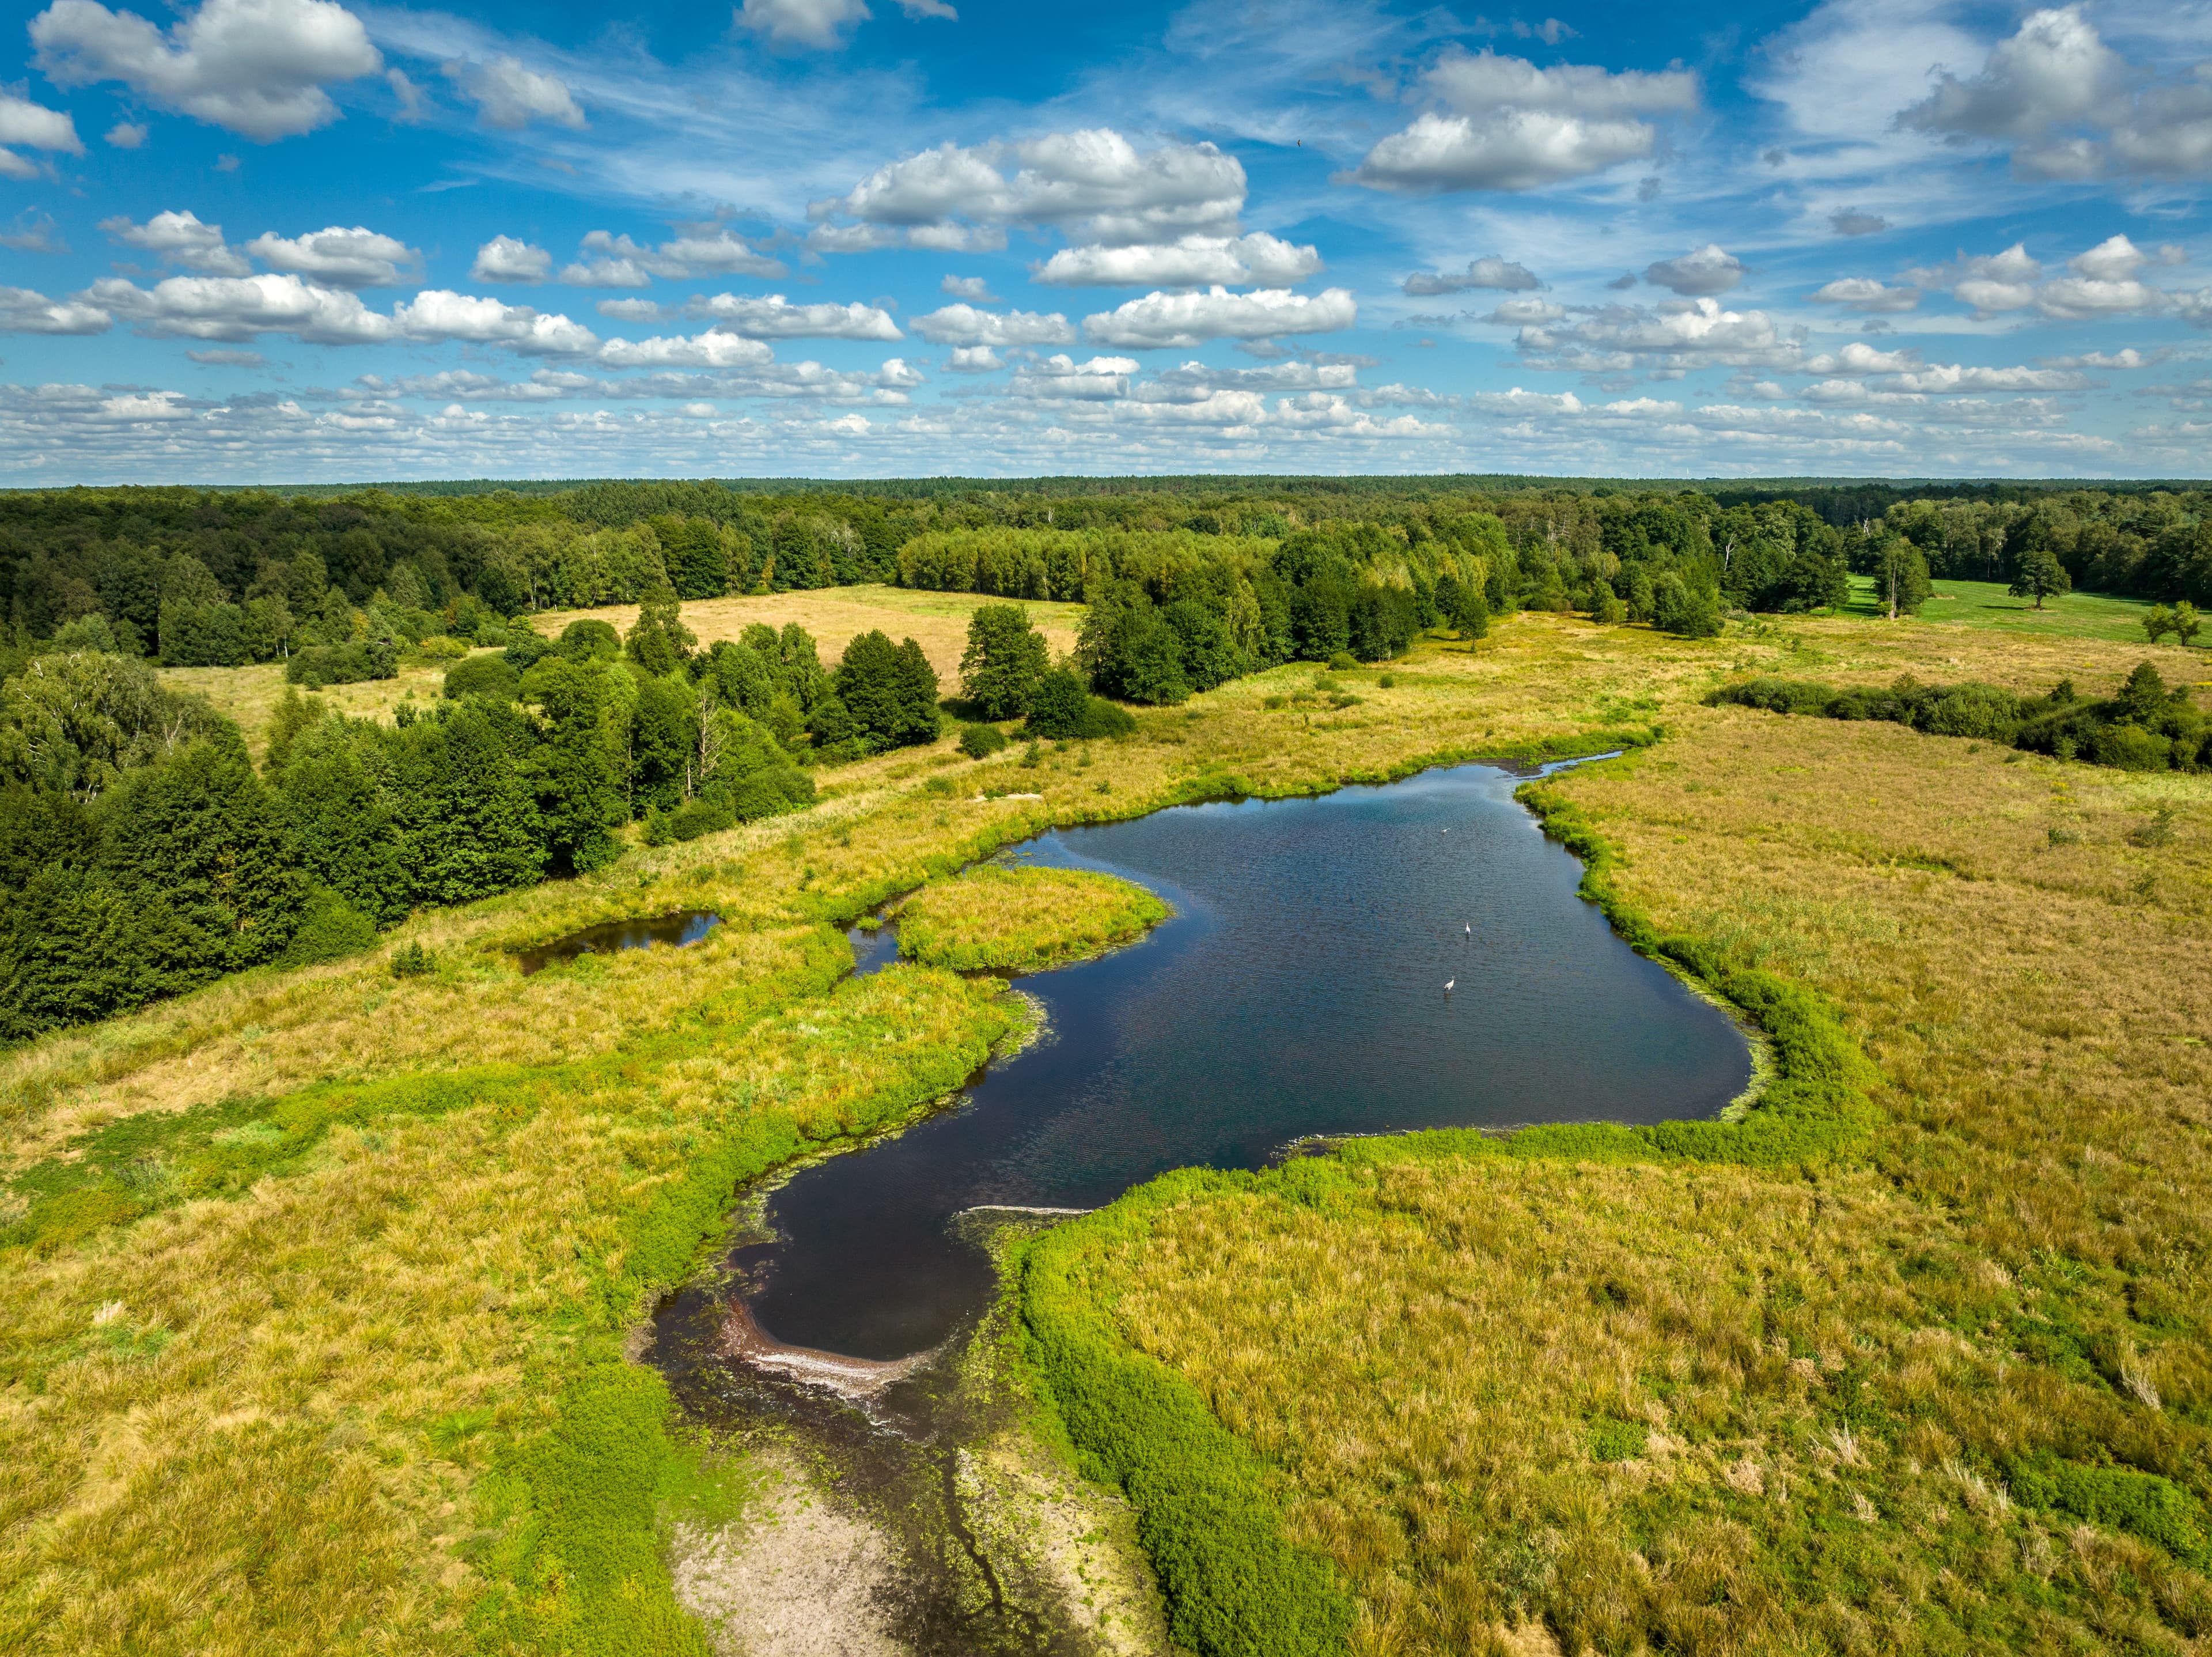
<point x="1299" y="990"/>
<point x="685" y="926"/>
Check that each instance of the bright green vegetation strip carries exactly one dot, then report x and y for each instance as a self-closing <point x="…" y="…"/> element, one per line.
<point x="1816" y="1104"/>
<point x="1207" y="1511"/>
<point x="1024" y="920"/>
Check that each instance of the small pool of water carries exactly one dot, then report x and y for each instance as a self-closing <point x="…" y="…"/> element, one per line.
<point x="685" y="926"/>
<point x="1378" y="959"/>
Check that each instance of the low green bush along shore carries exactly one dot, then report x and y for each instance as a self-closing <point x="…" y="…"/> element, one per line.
<point x="315" y="1280"/>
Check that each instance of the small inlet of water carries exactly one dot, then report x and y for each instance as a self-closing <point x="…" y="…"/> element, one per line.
<point x="685" y="926"/>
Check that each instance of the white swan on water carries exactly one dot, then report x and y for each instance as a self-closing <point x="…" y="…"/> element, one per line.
<point x="1448" y="984"/>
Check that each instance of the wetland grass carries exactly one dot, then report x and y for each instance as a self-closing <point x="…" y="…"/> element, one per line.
<point x="1024" y="920"/>
<point x="368" y="1394"/>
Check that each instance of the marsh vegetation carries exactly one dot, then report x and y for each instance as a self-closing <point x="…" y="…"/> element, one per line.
<point x="316" y="1279"/>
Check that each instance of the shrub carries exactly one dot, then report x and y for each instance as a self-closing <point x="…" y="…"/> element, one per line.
<point x="1061" y="708"/>
<point x="411" y="961"/>
<point x="1342" y="662"/>
<point x="2131" y="748"/>
<point x="589" y="640"/>
<point x="2145" y="727"/>
<point x="344" y="664"/>
<point x="771" y="793"/>
<point x="980" y="741"/>
<point x="1678" y="607"/>
<point x="523" y="646"/>
<point x="2118" y="1498"/>
<point x="330" y="930"/>
<point x="442" y="647"/>
<point x="484" y="675"/>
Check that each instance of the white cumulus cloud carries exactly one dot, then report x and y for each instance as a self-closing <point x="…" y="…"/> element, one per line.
<point x="256" y="67"/>
<point x="964" y="325"/>
<point x="1700" y="273"/>
<point x="23" y="311"/>
<point x="1868" y="297"/>
<point x="2069" y="107"/>
<point x="1502" y="124"/>
<point x="776" y="317"/>
<point x="33" y="126"/>
<point x="1256" y="260"/>
<point x="1491" y="271"/>
<point x="508" y="259"/>
<point x="1093" y="183"/>
<point x="180" y="238"/>
<point x="1186" y="319"/>
<point x="238" y="310"/>
<point x="339" y="257"/>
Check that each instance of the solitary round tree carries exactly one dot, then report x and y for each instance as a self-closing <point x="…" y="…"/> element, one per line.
<point x="2040" y="577"/>
<point x="1005" y="658"/>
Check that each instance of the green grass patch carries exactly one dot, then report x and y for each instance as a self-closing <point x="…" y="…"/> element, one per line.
<point x="1024" y="920"/>
<point x="1208" y="1515"/>
<point x="1987" y="603"/>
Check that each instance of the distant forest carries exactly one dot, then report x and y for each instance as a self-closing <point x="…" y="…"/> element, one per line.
<point x="213" y="577"/>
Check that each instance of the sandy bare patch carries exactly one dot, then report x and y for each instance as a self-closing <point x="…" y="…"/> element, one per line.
<point x="797" y="1579"/>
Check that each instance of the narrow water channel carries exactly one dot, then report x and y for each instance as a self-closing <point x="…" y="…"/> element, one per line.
<point x="1299" y="990"/>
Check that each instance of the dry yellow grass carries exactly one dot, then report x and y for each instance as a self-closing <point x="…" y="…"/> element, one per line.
<point x="250" y="695"/>
<point x="1024" y="920"/>
<point x="248" y="1454"/>
<point x="936" y="621"/>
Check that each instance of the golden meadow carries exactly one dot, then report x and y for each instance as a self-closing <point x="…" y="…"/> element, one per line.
<point x="313" y="1319"/>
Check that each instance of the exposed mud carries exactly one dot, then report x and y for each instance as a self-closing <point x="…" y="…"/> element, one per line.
<point x="910" y="1507"/>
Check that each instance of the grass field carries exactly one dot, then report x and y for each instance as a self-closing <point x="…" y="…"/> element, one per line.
<point x="250" y="695"/>
<point x="1987" y="603"/>
<point x="1024" y="920"/>
<point x="936" y="621"/>
<point x="312" y="1312"/>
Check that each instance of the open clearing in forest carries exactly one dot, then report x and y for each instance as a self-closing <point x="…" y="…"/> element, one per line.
<point x="936" y="621"/>
<point x="1989" y="604"/>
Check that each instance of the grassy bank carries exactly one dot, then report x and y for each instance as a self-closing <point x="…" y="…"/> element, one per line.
<point x="1024" y="920"/>
<point x="1941" y="1384"/>
<point x="336" y="1364"/>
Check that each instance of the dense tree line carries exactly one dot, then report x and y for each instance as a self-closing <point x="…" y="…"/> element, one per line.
<point x="218" y="577"/>
<point x="2145" y="725"/>
<point x="141" y="852"/>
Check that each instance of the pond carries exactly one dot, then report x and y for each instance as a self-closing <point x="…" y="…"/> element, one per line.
<point x="1301" y="989"/>
<point x="685" y="926"/>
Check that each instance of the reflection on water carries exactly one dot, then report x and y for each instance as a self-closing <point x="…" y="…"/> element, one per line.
<point x="1300" y="989"/>
<point x="685" y="926"/>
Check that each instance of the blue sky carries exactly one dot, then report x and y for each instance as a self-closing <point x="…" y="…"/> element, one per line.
<point x="300" y="240"/>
